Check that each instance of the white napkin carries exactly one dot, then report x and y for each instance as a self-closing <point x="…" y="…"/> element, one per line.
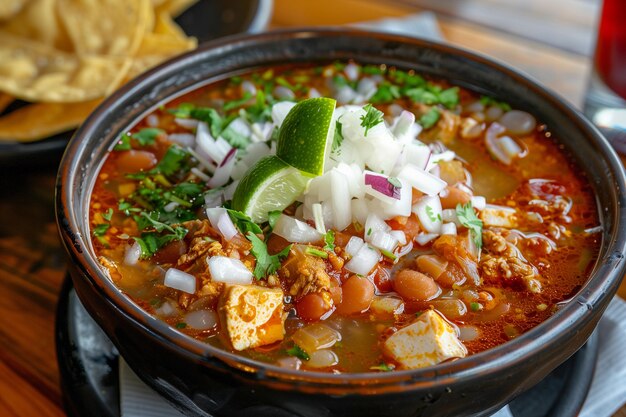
<point x="608" y="389"/>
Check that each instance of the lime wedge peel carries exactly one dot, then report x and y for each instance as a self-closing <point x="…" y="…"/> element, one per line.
<point x="306" y="135"/>
<point x="270" y="184"/>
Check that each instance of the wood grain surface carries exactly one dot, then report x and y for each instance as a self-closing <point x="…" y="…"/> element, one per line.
<point x="32" y="262"/>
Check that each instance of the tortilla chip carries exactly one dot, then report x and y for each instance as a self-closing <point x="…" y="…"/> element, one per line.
<point x="174" y="7"/>
<point x="106" y="27"/>
<point x="165" y="25"/>
<point x="38" y="21"/>
<point x="9" y="8"/>
<point x="42" y="120"/>
<point x="32" y="72"/>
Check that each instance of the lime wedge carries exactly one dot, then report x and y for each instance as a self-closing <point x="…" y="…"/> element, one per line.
<point x="270" y="184"/>
<point x="306" y="135"/>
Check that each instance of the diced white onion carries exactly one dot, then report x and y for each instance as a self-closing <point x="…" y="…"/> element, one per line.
<point x="248" y="87"/>
<point x="224" y="170"/>
<point x="290" y="362"/>
<point x="322" y="358"/>
<point x="318" y="217"/>
<point x="518" y="122"/>
<point x="183" y="139"/>
<point x="383" y="241"/>
<point x="423" y="238"/>
<point x="180" y="280"/>
<point x="204" y="177"/>
<point x="313" y="93"/>
<point x="360" y="210"/>
<point x="422" y="180"/>
<point x="201" y="319"/>
<point x="229" y="270"/>
<point x="363" y="261"/>
<point x="468" y="333"/>
<point x="448" y="229"/>
<point x="166" y="309"/>
<point x="283" y="93"/>
<point x="375" y="224"/>
<point x="354" y="244"/>
<point x="340" y="193"/>
<point x="429" y="211"/>
<point x="187" y="123"/>
<point x="345" y="95"/>
<point x="418" y="154"/>
<point x="449" y="215"/>
<point x="226" y="227"/>
<point x="152" y="120"/>
<point x="478" y="202"/>
<point x="352" y="71"/>
<point x="280" y="111"/>
<point x="170" y="207"/>
<point x="399" y="235"/>
<point x="401" y="207"/>
<point x="295" y="231"/>
<point x="132" y="254"/>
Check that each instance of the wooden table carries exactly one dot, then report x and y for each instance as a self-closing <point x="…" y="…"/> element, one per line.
<point x="32" y="262"/>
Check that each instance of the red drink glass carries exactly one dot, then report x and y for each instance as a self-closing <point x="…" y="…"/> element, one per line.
<point x="610" y="57"/>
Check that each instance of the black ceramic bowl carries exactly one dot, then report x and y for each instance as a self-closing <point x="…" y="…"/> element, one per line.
<point x="202" y="380"/>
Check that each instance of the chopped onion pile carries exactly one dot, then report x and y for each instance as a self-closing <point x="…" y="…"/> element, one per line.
<point x="180" y="280"/>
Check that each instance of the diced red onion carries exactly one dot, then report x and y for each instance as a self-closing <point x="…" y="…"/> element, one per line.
<point x="201" y="319"/>
<point x="378" y="186"/>
<point x="478" y="202"/>
<point x="180" y="280"/>
<point x="448" y="229"/>
<point x="354" y="244"/>
<point x="187" y="123"/>
<point x="429" y="211"/>
<point x="422" y="180"/>
<point x="401" y="207"/>
<point x="399" y="235"/>
<point x="224" y="170"/>
<point x="132" y="254"/>
<point x="229" y="270"/>
<point x="363" y="261"/>
<point x="295" y="231"/>
<point x="518" y="122"/>
<point x="383" y="241"/>
<point x="423" y="238"/>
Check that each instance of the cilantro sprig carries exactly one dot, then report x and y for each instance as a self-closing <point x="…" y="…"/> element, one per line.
<point x="467" y="217"/>
<point x="266" y="264"/>
<point x="371" y="118"/>
<point x="298" y="352"/>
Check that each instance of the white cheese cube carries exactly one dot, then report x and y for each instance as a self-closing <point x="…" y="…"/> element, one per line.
<point x="426" y="342"/>
<point x="252" y="315"/>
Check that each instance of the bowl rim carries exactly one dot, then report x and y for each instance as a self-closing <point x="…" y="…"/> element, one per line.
<point x="599" y="288"/>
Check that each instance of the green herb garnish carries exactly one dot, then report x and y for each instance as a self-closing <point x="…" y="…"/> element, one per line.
<point x="329" y="240"/>
<point x="490" y="101"/>
<point x="243" y="222"/>
<point x="100" y="229"/>
<point x="298" y="352"/>
<point x="337" y="138"/>
<point x="371" y="118"/>
<point x="272" y="218"/>
<point x="430" y="118"/>
<point x="181" y="325"/>
<point x="266" y="264"/>
<point x="385" y="367"/>
<point x="476" y="306"/>
<point x="108" y="215"/>
<point x="467" y="217"/>
<point x="431" y="215"/>
<point x="315" y="252"/>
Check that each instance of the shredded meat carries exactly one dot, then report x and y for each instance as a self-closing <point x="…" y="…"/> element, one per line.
<point x="503" y="261"/>
<point x="304" y="274"/>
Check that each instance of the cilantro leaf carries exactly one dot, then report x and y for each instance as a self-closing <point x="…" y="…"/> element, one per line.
<point x="431" y="215"/>
<point x="298" y="352"/>
<point x="430" y="118"/>
<point x="449" y="97"/>
<point x="147" y="136"/>
<point x="467" y="217"/>
<point x="211" y="117"/>
<point x="371" y="118"/>
<point x="233" y="104"/>
<point x="337" y="138"/>
<point x="490" y="101"/>
<point x="123" y="144"/>
<point x="107" y="216"/>
<point x="172" y="161"/>
<point x="329" y="240"/>
<point x="182" y="111"/>
<point x="386" y="93"/>
<point x="151" y="242"/>
<point x="266" y="264"/>
<point x="422" y="95"/>
<point x="100" y="229"/>
<point x="243" y="222"/>
<point x="273" y="218"/>
<point x="235" y="138"/>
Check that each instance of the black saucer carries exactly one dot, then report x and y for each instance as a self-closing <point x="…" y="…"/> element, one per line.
<point x="88" y="364"/>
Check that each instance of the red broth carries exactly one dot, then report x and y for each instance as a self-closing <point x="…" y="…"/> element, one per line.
<point x="539" y="242"/>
